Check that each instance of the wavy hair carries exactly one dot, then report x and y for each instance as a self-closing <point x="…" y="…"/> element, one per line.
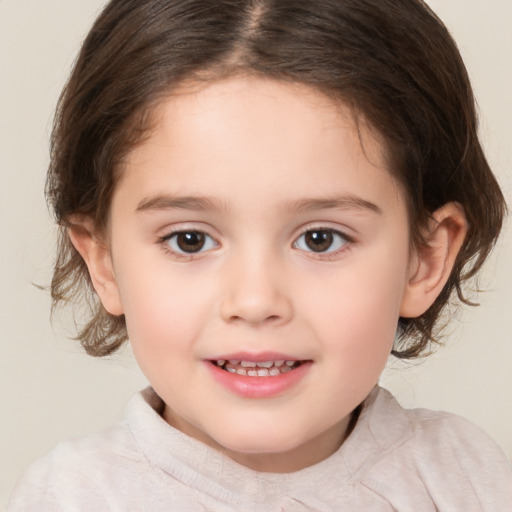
<point x="392" y="61"/>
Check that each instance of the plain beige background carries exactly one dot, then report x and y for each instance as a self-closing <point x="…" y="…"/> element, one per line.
<point x="51" y="391"/>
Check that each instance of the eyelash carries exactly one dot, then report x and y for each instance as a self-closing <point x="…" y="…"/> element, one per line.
<point x="166" y="240"/>
<point x="334" y="235"/>
<point x="211" y="243"/>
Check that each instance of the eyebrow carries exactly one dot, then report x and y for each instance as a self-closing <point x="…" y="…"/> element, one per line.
<point x="171" y="202"/>
<point x="348" y="202"/>
<point x="201" y="203"/>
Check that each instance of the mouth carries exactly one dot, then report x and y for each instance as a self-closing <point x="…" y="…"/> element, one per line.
<point x="258" y="376"/>
<point x="271" y="368"/>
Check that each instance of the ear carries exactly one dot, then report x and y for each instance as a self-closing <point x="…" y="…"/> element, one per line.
<point x="432" y="263"/>
<point x="96" y="254"/>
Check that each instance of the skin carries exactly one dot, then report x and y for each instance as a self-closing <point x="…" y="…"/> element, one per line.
<point x="268" y="162"/>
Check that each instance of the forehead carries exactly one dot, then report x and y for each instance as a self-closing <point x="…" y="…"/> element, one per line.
<point x="248" y="134"/>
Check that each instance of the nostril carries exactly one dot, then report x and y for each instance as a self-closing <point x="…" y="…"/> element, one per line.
<point x="255" y="306"/>
<point x="259" y="319"/>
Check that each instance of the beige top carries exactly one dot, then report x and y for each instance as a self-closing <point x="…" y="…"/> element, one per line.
<point x="394" y="460"/>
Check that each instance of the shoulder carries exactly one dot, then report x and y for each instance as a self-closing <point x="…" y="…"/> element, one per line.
<point x="455" y="442"/>
<point x="432" y="433"/>
<point x="92" y="472"/>
<point x="77" y="468"/>
<point x="443" y="456"/>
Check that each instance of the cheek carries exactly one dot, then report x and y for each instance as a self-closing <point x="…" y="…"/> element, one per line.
<point x="164" y="310"/>
<point x="356" y="310"/>
<point x="164" y="324"/>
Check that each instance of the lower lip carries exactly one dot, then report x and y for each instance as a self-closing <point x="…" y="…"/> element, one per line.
<point x="259" y="387"/>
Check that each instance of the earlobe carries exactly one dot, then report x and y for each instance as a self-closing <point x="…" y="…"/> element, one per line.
<point x="433" y="262"/>
<point x="96" y="255"/>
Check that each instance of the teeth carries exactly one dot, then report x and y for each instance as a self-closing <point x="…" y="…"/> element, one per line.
<point x="257" y="368"/>
<point x="259" y="364"/>
<point x="265" y="364"/>
<point x="254" y="364"/>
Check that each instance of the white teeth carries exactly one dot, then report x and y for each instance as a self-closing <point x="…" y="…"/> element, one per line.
<point x="257" y="368"/>
<point x="265" y="364"/>
<point x="259" y="364"/>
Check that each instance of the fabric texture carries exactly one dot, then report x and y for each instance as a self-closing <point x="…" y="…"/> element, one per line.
<point x="394" y="460"/>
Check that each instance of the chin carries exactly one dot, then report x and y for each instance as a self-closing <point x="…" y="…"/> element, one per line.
<point x="261" y="442"/>
<point x="257" y="446"/>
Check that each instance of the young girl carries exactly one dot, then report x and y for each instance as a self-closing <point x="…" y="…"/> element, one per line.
<point x="269" y="198"/>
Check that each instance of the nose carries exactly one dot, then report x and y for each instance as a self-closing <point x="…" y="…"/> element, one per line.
<point x="256" y="293"/>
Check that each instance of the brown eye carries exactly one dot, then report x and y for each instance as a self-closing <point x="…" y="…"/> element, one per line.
<point x="190" y="242"/>
<point x="318" y="241"/>
<point x="321" y="240"/>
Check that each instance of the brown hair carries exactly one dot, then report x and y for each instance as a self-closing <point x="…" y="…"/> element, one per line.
<point x="392" y="61"/>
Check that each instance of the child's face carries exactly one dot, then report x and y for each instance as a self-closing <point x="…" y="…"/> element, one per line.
<point x="252" y="225"/>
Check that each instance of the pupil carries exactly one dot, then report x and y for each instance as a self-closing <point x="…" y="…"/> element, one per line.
<point x="190" y="242"/>
<point x="319" y="241"/>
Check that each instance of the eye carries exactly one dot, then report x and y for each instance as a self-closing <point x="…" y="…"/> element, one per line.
<point x="190" y="242"/>
<point x="321" y="241"/>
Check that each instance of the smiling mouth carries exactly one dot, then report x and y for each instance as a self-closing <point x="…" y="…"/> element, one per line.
<point x="257" y="368"/>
